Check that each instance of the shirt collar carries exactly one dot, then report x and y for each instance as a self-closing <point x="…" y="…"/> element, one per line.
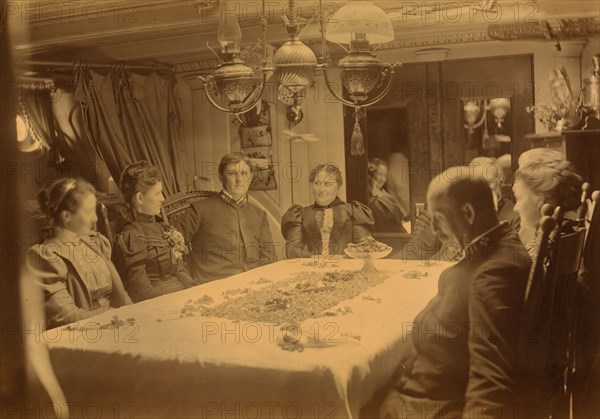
<point x="144" y="218"/>
<point x="226" y="194"/>
<point x="481" y="237"/>
<point x="67" y="236"/>
<point x="335" y="202"/>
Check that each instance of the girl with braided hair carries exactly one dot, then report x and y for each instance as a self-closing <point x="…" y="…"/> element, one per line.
<point x="73" y="266"/>
<point x="544" y="176"/>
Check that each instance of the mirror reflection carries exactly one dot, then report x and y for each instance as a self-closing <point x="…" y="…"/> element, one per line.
<point x="388" y="150"/>
<point x="488" y="127"/>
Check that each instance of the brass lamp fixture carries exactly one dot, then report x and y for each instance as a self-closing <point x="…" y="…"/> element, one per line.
<point x="295" y="65"/>
<point x="234" y="82"/>
<point x="359" y="24"/>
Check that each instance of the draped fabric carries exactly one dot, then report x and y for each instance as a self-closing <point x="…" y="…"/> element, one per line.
<point x="130" y="117"/>
<point x="37" y="105"/>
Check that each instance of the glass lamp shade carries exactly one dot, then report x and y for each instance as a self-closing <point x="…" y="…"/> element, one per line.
<point x="360" y="17"/>
<point x="295" y="65"/>
<point x="499" y="108"/>
<point x="229" y="32"/>
<point x="471" y="112"/>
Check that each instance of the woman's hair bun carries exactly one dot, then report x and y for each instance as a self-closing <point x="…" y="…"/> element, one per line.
<point x="43" y="198"/>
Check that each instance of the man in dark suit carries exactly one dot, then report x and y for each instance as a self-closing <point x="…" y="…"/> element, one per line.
<point x="461" y="358"/>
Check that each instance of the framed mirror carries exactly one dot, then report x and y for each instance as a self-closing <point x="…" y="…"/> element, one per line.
<point x="388" y="168"/>
<point x="489" y="132"/>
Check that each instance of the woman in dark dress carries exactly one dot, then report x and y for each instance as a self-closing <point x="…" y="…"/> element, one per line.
<point x="149" y="254"/>
<point x="327" y="226"/>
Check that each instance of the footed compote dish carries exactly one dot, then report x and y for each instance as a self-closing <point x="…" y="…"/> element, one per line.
<point x="368" y="249"/>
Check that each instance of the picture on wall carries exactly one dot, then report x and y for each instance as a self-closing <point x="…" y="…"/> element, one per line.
<point x="256" y="142"/>
<point x="255" y="136"/>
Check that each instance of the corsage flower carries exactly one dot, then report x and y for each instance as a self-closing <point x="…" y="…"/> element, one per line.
<point x="176" y="241"/>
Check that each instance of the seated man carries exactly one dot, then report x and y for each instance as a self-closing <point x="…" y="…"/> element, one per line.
<point x="228" y="235"/>
<point x="461" y="354"/>
<point x="424" y="244"/>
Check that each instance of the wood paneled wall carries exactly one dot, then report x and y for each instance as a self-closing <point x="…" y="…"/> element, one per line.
<point x="432" y="93"/>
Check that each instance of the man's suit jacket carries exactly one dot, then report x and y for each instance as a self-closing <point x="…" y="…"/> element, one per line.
<point x="463" y="345"/>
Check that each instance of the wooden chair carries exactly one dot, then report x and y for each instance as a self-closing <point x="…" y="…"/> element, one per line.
<point x="585" y="196"/>
<point x="587" y="372"/>
<point x="535" y="322"/>
<point x="547" y="350"/>
<point x="177" y="204"/>
<point x="561" y="359"/>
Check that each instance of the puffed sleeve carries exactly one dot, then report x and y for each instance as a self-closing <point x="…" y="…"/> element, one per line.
<point x="131" y="257"/>
<point x="50" y="271"/>
<point x="362" y="220"/>
<point x="189" y="222"/>
<point x="291" y="229"/>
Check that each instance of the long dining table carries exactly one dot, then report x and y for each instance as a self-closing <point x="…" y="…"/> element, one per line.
<point x="161" y="358"/>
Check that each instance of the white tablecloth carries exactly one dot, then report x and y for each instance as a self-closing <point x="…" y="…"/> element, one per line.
<point x="166" y="366"/>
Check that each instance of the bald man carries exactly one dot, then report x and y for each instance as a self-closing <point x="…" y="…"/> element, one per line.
<point x="461" y="359"/>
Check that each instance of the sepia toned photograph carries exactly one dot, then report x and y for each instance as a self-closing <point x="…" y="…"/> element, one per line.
<point x="307" y="209"/>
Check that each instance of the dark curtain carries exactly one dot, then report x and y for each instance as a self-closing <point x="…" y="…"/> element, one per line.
<point x="130" y="117"/>
<point x="37" y="105"/>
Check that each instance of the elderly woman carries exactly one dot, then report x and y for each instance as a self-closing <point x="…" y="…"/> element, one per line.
<point x="149" y="254"/>
<point x="544" y="177"/>
<point x="73" y="265"/>
<point x="327" y="226"/>
<point x="386" y="210"/>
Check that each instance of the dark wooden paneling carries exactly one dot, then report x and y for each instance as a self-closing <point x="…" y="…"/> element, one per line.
<point x="432" y="94"/>
<point x="435" y="123"/>
<point x="509" y="77"/>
